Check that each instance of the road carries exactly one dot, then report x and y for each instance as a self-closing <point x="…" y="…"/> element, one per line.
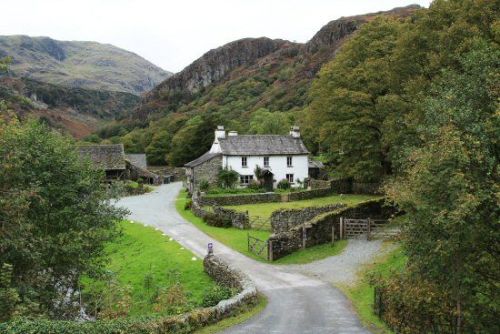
<point x="300" y="300"/>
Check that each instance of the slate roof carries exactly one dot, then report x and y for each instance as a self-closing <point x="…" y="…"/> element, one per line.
<point x="316" y="164"/>
<point x="138" y="160"/>
<point x="205" y="157"/>
<point x="106" y="157"/>
<point x="262" y="145"/>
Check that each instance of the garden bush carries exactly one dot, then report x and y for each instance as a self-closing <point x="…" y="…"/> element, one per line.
<point x="284" y="184"/>
<point x="227" y="178"/>
<point x="214" y="295"/>
<point x="188" y="205"/>
<point x="204" y="185"/>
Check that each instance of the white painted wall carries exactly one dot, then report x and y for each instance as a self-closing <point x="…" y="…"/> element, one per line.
<point x="277" y="165"/>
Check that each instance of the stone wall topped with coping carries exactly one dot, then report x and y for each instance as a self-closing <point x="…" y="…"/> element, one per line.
<point x="284" y="220"/>
<point x="320" y="229"/>
<point x="239" y="220"/>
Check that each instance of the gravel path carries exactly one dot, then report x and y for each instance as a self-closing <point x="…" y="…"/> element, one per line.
<point x="301" y="297"/>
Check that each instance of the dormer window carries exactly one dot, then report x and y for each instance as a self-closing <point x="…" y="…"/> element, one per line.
<point x="244" y="162"/>
<point x="289" y="161"/>
<point x="266" y="161"/>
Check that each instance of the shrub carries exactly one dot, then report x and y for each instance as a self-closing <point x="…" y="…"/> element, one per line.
<point x="254" y="185"/>
<point x="284" y="184"/>
<point x="188" y="205"/>
<point x="212" y="219"/>
<point x="214" y="295"/>
<point x="204" y="185"/>
<point x="227" y="178"/>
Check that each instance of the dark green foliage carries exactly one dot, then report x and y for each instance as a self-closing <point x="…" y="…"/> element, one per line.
<point x="204" y="185"/>
<point x="56" y="217"/>
<point x="227" y="178"/>
<point x="283" y="184"/>
<point x="188" y="205"/>
<point x="217" y="221"/>
<point x="213" y="296"/>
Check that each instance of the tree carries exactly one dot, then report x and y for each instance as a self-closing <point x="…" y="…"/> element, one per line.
<point x="449" y="190"/>
<point x="263" y="121"/>
<point x="55" y="217"/>
<point x="227" y="178"/>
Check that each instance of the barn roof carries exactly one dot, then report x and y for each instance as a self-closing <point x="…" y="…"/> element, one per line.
<point x="106" y="157"/>
<point x="205" y="157"/>
<point x="138" y="160"/>
<point x="262" y="145"/>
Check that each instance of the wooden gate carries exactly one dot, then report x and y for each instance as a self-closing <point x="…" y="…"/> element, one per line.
<point x="352" y="227"/>
<point x="258" y="247"/>
<point x="260" y="223"/>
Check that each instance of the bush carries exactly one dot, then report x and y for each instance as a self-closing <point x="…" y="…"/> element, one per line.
<point x="212" y="219"/>
<point x="214" y="295"/>
<point x="204" y="185"/>
<point x="255" y="185"/>
<point x="227" y="178"/>
<point x="284" y="184"/>
<point x="188" y="205"/>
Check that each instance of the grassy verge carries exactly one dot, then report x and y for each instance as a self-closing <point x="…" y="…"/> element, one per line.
<point x="314" y="253"/>
<point x="238" y="239"/>
<point x="361" y="292"/>
<point x="266" y="209"/>
<point x="235" y="320"/>
<point x="142" y="252"/>
<point x="233" y="237"/>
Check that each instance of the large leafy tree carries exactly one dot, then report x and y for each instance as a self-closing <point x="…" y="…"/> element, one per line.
<point x="449" y="191"/>
<point x="55" y="217"/>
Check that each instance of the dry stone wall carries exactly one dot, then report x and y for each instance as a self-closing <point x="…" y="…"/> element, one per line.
<point x="322" y="228"/>
<point x="207" y="171"/>
<point x="285" y="220"/>
<point x="240" y="199"/>
<point x="239" y="220"/>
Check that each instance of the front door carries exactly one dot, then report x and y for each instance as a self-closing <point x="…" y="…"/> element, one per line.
<point x="268" y="181"/>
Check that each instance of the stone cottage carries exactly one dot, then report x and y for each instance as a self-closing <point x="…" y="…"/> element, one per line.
<point x="117" y="165"/>
<point x="279" y="156"/>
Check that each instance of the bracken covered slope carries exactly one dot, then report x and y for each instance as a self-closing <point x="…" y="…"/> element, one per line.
<point x="87" y="65"/>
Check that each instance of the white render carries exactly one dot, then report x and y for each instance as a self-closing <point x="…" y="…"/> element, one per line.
<point x="277" y="165"/>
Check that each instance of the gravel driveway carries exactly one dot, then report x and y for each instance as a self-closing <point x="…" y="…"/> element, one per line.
<point x="301" y="297"/>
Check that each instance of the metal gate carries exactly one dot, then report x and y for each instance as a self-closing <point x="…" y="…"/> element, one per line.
<point x="258" y="247"/>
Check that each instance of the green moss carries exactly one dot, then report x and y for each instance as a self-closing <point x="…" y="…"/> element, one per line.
<point x="362" y="292"/>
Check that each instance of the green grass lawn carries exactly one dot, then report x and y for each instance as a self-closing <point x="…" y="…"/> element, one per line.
<point x="142" y="250"/>
<point x="361" y="293"/>
<point x="266" y="209"/>
<point x="238" y="239"/>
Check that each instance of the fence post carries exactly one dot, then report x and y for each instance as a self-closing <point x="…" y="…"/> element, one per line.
<point x="341" y="228"/>
<point x="269" y="250"/>
<point x="333" y="234"/>
<point x="304" y="237"/>
<point x="248" y="241"/>
<point x="368" y="236"/>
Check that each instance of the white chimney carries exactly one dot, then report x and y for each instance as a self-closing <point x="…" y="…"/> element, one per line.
<point x="295" y="131"/>
<point x="220" y="133"/>
<point x="232" y="133"/>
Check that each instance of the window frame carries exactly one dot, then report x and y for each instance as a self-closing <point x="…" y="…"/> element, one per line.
<point x="290" y="178"/>
<point x="264" y="162"/>
<point x="244" y="162"/>
<point x="247" y="178"/>
<point x="289" y="161"/>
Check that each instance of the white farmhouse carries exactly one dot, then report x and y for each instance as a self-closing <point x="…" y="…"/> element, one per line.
<point x="280" y="157"/>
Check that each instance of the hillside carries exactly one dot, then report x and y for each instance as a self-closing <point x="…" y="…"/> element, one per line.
<point x="88" y="65"/>
<point x="77" y="111"/>
<point x="228" y="85"/>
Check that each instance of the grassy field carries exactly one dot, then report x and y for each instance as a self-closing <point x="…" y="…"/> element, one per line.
<point x="235" y="320"/>
<point x="361" y="293"/>
<point x="266" y="209"/>
<point x="238" y="239"/>
<point x="142" y="251"/>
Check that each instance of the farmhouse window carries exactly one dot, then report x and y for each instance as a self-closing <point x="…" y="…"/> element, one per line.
<point x="289" y="161"/>
<point x="266" y="161"/>
<point x="244" y="162"/>
<point x="245" y="179"/>
<point x="289" y="177"/>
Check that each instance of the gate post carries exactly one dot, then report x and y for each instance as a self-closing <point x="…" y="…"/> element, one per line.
<point x="341" y="228"/>
<point x="333" y="234"/>
<point x="304" y="237"/>
<point x="270" y="250"/>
